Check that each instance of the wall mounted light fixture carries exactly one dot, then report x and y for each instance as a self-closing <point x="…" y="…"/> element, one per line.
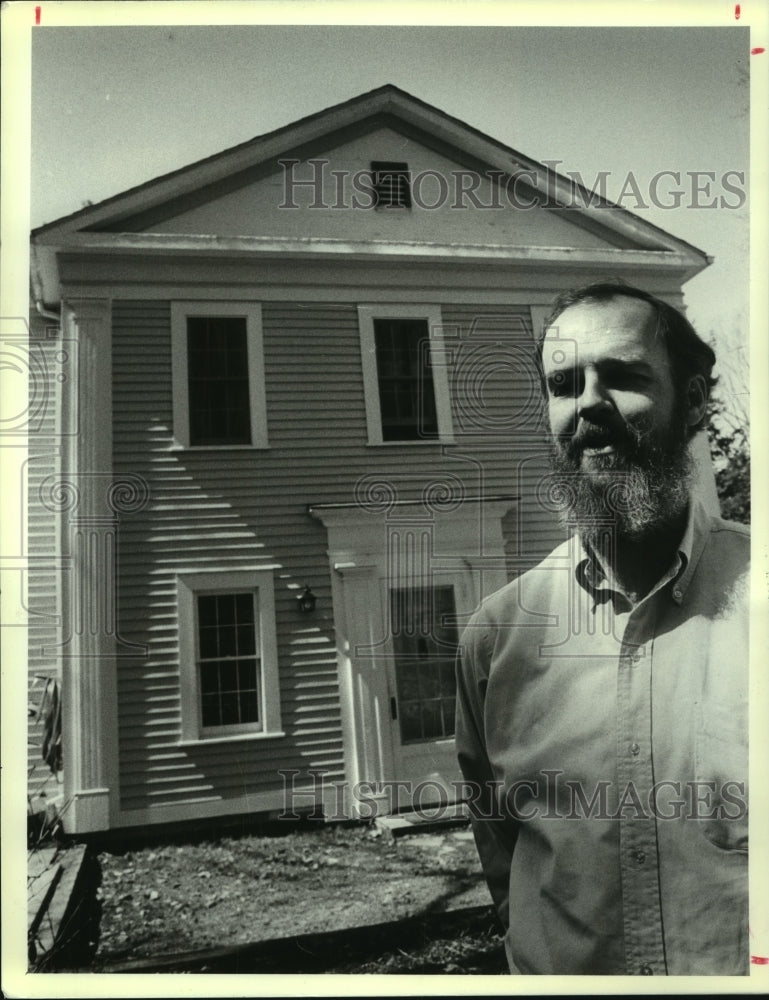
<point x="306" y="601"/>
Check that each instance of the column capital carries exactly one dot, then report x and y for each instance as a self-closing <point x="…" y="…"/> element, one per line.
<point x="89" y="310"/>
<point x="94" y="494"/>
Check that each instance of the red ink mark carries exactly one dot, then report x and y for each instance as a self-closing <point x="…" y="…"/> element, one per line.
<point x="759" y="960"/>
<point x="37" y="15"/>
<point x="757" y="52"/>
<point x="737" y="12"/>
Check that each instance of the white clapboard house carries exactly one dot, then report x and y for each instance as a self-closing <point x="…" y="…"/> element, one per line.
<point x="284" y="435"/>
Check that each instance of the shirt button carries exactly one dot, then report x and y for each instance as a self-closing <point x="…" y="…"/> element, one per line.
<point x="646" y="970"/>
<point x="640" y="857"/>
<point x="635" y="749"/>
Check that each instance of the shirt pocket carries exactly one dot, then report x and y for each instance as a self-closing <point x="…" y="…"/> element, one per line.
<point x="720" y="801"/>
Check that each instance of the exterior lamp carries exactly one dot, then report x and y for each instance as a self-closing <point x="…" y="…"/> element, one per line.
<point x="306" y="601"/>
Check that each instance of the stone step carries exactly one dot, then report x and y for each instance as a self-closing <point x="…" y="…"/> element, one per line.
<point x="44" y="874"/>
<point x="427" y="820"/>
<point x="60" y="904"/>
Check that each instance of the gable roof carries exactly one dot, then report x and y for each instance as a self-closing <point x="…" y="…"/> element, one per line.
<point x="120" y="219"/>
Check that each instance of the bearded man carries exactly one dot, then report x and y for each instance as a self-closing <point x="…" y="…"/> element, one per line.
<point x="602" y="696"/>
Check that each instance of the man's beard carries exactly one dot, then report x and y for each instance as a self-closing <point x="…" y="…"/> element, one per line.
<point x="633" y="492"/>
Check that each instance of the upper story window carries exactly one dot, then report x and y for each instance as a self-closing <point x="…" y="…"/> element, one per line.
<point x="218" y="374"/>
<point x="391" y="184"/>
<point x="404" y="374"/>
<point x="217" y="380"/>
<point x="406" y="391"/>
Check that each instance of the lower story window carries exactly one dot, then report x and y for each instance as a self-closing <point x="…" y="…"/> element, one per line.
<point x="228" y="654"/>
<point x="228" y="665"/>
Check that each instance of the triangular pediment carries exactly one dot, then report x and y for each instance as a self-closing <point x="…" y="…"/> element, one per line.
<point x="311" y="181"/>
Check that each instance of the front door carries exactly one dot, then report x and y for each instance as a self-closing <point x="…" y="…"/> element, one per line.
<point x="425" y="635"/>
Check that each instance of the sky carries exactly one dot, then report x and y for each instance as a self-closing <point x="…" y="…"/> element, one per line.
<point x="113" y="107"/>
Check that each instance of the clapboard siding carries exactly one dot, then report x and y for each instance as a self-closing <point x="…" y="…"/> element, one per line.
<point x="499" y="417"/>
<point x="42" y="546"/>
<point x="242" y="509"/>
<point x="205" y="513"/>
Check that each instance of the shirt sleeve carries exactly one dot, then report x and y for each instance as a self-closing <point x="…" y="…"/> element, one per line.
<point x="495" y="835"/>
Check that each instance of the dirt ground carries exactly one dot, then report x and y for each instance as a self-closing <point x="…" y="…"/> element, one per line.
<point x="170" y="898"/>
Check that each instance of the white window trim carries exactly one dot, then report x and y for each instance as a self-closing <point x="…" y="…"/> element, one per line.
<point x="189" y="585"/>
<point x="432" y="314"/>
<point x="252" y="312"/>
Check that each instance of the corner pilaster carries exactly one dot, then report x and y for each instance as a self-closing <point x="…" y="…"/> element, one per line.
<point x="88" y="504"/>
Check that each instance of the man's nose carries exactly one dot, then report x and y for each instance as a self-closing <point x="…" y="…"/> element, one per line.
<point x="594" y="398"/>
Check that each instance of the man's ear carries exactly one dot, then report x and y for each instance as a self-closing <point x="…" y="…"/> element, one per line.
<point x="696" y="399"/>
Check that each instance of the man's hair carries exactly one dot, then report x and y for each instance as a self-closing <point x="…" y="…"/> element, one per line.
<point x="689" y="354"/>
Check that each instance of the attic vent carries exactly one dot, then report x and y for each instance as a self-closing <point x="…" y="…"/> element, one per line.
<point x="391" y="184"/>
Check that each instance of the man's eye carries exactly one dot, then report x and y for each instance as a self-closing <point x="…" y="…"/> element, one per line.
<point x="628" y="381"/>
<point x="560" y="384"/>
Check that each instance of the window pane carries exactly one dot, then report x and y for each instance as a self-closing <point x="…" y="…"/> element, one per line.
<point x="428" y="415"/>
<point x="431" y="720"/>
<point x="249" y="706"/>
<point x="227" y="641"/>
<point x="246" y="640"/>
<point x="410" y="722"/>
<point x="209" y="704"/>
<point x="247" y="675"/>
<point x="209" y="678"/>
<point x="206" y="610"/>
<point x="429" y="680"/>
<point x="244" y="608"/>
<point x="209" y="647"/>
<point x="230" y="713"/>
<point x="228" y="673"/>
<point x="236" y="408"/>
<point x="408" y="681"/>
<point x="448" y="708"/>
<point x="225" y="609"/>
<point x="448" y="678"/>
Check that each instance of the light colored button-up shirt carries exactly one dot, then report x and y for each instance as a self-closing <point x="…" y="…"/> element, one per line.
<point x="605" y="747"/>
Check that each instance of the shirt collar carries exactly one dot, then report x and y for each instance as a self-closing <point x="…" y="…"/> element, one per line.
<point x="591" y="576"/>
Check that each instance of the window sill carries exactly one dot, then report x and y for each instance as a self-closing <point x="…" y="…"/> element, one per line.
<point x="235" y="738"/>
<point x="424" y="443"/>
<point x="219" y="447"/>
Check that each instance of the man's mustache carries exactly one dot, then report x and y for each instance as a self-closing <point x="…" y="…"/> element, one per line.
<point x="599" y="436"/>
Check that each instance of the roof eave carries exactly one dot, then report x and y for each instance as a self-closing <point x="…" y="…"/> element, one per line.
<point x="683" y="263"/>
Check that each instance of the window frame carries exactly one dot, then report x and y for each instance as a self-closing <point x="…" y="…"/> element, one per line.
<point x="431" y="314"/>
<point x="190" y="586"/>
<point x="252" y="313"/>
